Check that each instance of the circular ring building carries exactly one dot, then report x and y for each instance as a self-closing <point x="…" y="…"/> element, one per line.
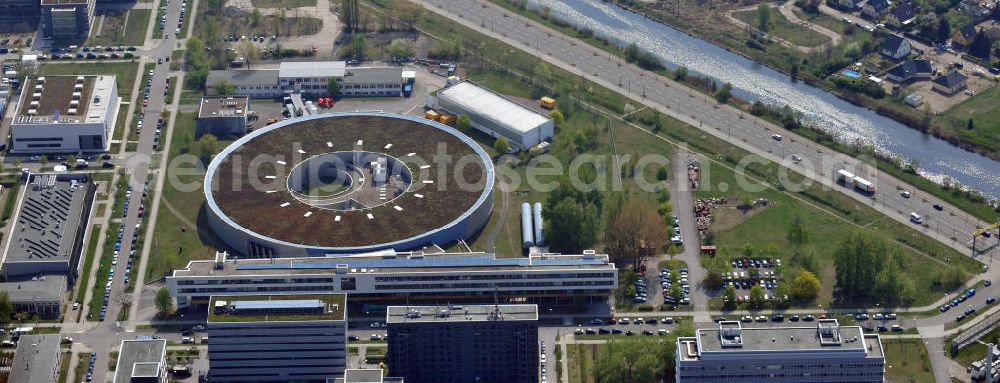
<point x="348" y="183"/>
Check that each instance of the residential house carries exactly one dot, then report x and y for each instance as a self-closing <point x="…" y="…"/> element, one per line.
<point x="873" y="9"/>
<point x="974" y="8"/>
<point x="950" y="83"/>
<point x="902" y="16"/>
<point x="895" y="47"/>
<point x="852" y="5"/>
<point x="964" y="35"/>
<point x="911" y="70"/>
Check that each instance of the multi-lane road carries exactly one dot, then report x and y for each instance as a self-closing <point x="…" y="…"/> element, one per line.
<point x="950" y="225"/>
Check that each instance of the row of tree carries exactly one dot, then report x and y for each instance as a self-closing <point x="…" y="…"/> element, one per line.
<point x="640" y="360"/>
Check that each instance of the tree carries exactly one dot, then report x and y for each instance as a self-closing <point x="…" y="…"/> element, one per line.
<point x="661" y="173"/>
<point x="255" y="17"/>
<point x="464" y="124"/>
<point x="797" y="233"/>
<point x="747" y="250"/>
<point x="724" y="93"/>
<point x="249" y="51"/>
<point x="729" y="297"/>
<point x="542" y="73"/>
<point x="358" y="46"/>
<point x="635" y="233"/>
<point x="501" y="145"/>
<point x="764" y="16"/>
<point x="868" y="271"/>
<point x="805" y="286"/>
<point x="44" y="160"/>
<point x="6" y="307"/>
<point x="206" y="147"/>
<point x="557" y="117"/>
<point x="408" y="14"/>
<point x="971" y="125"/>
<point x="350" y="15"/>
<point x="943" y="30"/>
<point x="757" y="297"/>
<point x="680" y="73"/>
<point x="164" y="302"/>
<point x="572" y="225"/>
<point x="333" y="87"/>
<point x="400" y="48"/>
<point x="224" y="88"/>
<point x="981" y="46"/>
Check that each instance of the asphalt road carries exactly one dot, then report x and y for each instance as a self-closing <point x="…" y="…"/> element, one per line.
<point x="741" y="129"/>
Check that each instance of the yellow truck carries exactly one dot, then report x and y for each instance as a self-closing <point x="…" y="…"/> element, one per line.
<point x="431" y="115"/>
<point x="547" y="102"/>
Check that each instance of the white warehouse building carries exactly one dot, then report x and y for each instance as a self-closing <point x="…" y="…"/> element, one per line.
<point x="496" y="115"/>
<point x="65" y="114"/>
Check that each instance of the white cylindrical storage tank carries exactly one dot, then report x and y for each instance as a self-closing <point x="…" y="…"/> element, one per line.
<point x="537" y="215"/>
<point x="527" y="237"/>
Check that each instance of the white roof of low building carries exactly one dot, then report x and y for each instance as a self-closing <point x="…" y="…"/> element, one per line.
<point x="312" y="69"/>
<point x="486" y="103"/>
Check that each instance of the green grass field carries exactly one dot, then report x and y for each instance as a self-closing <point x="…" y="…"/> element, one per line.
<point x="782" y="28"/>
<point x="907" y="360"/>
<point x="121" y="28"/>
<point x="982" y="109"/>
<point x="95" y="236"/>
<point x="177" y="238"/>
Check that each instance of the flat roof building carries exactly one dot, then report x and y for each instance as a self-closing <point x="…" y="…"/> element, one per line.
<point x="40" y="294"/>
<point x="36" y="359"/>
<point x="372" y="82"/>
<point x="550" y="279"/>
<point x="277" y="338"/>
<point x="435" y="344"/>
<point x="50" y="220"/>
<point x="311" y="77"/>
<point x="780" y="354"/>
<point x="142" y="361"/>
<point x="496" y="115"/>
<point x="223" y="116"/>
<point x="65" y="114"/>
<point x="258" y="83"/>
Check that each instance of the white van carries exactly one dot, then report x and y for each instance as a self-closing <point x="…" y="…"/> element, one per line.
<point x="916" y="218"/>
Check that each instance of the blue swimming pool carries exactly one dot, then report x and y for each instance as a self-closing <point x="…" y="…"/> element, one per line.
<point x="851" y="73"/>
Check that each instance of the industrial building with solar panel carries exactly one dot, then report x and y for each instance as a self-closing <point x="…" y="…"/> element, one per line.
<point x="348" y="183"/>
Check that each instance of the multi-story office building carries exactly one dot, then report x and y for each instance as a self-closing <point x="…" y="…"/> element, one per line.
<point x="65" y="114"/>
<point x="66" y="20"/>
<point x="277" y="338"/>
<point x="459" y="344"/>
<point x="311" y="78"/>
<point x="551" y="279"/>
<point x="825" y="353"/>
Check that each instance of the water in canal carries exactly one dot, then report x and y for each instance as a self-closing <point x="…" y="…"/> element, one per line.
<point x="753" y="81"/>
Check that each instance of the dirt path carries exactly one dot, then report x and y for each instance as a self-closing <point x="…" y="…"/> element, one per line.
<point x="786" y="10"/>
